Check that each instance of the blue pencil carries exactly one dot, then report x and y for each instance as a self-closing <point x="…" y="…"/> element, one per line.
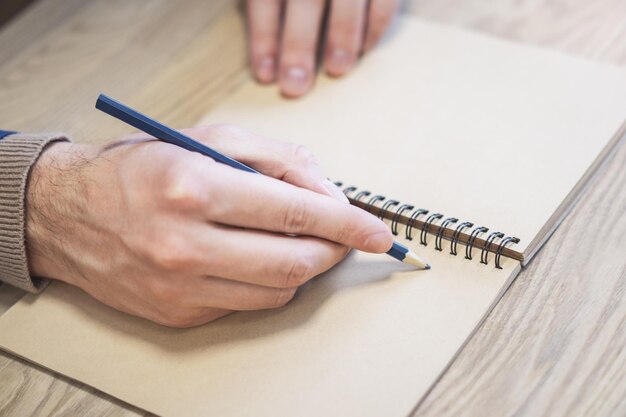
<point x="169" y="135"/>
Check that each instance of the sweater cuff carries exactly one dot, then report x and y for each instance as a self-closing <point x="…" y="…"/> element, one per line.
<point x="18" y="153"/>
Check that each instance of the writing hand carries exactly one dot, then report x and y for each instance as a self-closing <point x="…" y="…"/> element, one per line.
<point x="174" y="237"/>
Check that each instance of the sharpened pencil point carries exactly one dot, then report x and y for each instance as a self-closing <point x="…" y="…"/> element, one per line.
<point x="413" y="259"/>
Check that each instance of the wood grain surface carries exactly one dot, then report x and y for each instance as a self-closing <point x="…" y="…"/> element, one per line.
<point x="554" y="346"/>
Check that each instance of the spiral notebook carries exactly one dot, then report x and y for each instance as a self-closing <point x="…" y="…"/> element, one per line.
<point x="472" y="149"/>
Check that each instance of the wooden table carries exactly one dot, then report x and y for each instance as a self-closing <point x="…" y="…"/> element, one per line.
<point x="555" y="344"/>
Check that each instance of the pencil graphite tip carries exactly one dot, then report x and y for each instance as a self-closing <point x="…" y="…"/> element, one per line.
<point x="412" y="259"/>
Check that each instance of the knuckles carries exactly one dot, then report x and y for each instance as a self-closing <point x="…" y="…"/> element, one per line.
<point x="170" y="253"/>
<point x="301" y="155"/>
<point x="222" y="130"/>
<point x="344" y="232"/>
<point x="297" y="272"/>
<point x="343" y="34"/>
<point x="181" y="189"/>
<point x="276" y="298"/>
<point x="263" y="43"/>
<point x="296" y="218"/>
<point x="298" y="162"/>
<point x="266" y="299"/>
<point x="296" y="50"/>
<point x="171" y="310"/>
<point x="284" y="296"/>
<point x="165" y="292"/>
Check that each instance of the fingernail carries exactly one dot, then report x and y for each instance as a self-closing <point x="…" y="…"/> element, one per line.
<point x="266" y="69"/>
<point x="340" y="60"/>
<point x="335" y="191"/>
<point x="296" y="80"/>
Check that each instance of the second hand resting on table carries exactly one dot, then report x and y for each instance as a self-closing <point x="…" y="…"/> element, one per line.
<point x="284" y="35"/>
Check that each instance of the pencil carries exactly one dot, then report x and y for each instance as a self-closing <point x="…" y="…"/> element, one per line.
<point x="171" y="136"/>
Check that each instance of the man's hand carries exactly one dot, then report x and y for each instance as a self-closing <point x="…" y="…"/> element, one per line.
<point x="284" y="34"/>
<point x="172" y="236"/>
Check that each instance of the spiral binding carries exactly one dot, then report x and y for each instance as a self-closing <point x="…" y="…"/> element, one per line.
<point x="412" y="220"/>
<point x="396" y="210"/>
<point x="483" y="253"/>
<point x="442" y="229"/>
<point x="508" y="239"/>
<point x="396" y="217"/>
<point x="472" y="239"/>
<point x="386" y="206"/>
<point x="426" y="226"/>
<point x="457" y="235"/>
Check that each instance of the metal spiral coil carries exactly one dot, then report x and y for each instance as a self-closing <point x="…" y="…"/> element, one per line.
<point x="397" y="211"/>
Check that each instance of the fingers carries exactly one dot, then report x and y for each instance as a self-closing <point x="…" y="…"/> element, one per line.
<point x="345" y="35"/>
<point x="299" y="46"/>
<point x="192" y="301"/>
<point x="197" y="292"/>
<point x="285" y="161"/>
<point x="354" y="26"/>
<point x="164" y="300"/>
<point x="273" y="260"/>
<point x="263" y="32"/>
<point x="253" y="201"/>
<point x="233" y="295"/>
<point x="380" y="14"/>
<point x="251" y="256"/>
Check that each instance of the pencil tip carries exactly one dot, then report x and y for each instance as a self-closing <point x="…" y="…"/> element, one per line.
<point x="413" y="259"/>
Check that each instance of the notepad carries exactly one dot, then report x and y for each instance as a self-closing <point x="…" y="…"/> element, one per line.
<point x="443" y="133"/>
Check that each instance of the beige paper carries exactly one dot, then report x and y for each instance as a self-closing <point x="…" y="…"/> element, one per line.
<point x="365" y="339"/>
<point x="456" y="122"/>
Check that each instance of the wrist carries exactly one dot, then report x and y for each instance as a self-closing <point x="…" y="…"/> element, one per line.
<point x="53" y="200"/>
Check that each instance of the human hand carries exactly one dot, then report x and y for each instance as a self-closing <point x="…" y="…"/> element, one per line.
<point x="172" y="236"/>
<point x="284" y="50"/>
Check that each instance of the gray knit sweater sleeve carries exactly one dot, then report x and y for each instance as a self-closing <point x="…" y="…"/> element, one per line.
<point x="18" y="153"/>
